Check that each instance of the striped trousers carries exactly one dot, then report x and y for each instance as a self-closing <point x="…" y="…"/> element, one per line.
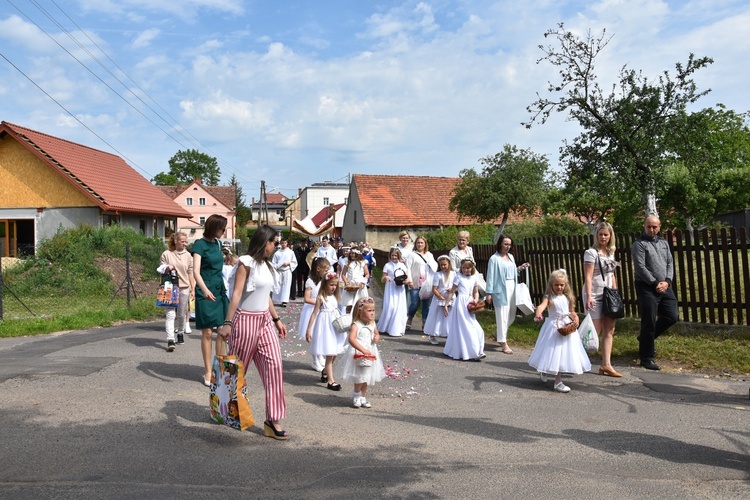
<point x="254" y="338"/>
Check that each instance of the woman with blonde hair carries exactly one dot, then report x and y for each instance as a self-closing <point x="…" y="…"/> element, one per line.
<point x="599" y="266"/>
<point x="178" y="259"/>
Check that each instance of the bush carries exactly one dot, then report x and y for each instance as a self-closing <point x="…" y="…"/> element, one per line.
<point x="445" y="239"/>
<point x="549" y="225"/>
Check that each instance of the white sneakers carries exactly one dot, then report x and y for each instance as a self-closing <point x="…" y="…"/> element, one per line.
<point x="361" y="402"/>
<point x="433" y="340"/>
<point x="543" y="376"/>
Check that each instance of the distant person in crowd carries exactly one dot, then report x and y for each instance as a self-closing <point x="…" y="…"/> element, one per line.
<point x="436" y="324"/>
<point x="326" y="251"/>
<point x="230" y="260"/>
<point x="502" y="278"/>
<point x="320" y="267"/>
<point x="178" y="259"/>
<point x="211" y="300"/>
<point x="369" y="257"/>
<point x="393" y="316"/>
<point x="285" y="263"/>
<point x="299" y="277"/>
<point x="404" y="245"/>
<point x="421" y="266"/>
<point x="355" y="277"/>
<point x="654" y="272"/>
<point x="465" y="334"/>
<point x="599" y="266"/>
<point x="253" y="327"/>
<point x="461" y="251"/>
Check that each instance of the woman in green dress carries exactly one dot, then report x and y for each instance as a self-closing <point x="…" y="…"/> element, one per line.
<point x="211" y="301"/>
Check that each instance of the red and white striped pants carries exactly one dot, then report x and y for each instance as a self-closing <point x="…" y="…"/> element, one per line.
<point x="254" y="338"/>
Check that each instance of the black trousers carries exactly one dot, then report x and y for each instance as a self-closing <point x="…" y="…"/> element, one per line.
<point x="298" y="282"/>
<point x="658" y="313"/>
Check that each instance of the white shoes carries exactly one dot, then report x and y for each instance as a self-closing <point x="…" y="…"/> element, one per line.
<point x="433" y="340"/>
<point x="357" y="402"/>
<point x="543" y="376"/>
<point x="364" y="403"/>
<point x="560" y="387"/>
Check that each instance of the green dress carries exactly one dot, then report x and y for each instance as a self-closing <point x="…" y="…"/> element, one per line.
<point x="209" y="314"/>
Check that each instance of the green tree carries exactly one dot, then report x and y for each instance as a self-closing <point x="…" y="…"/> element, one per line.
<point x="186" y="166"/>
<point x="710" y="167"/>
<point x="510" y="181"/>
<point x="625" y="130"/>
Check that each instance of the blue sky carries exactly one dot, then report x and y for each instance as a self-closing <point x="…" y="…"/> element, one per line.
<point x="297" y="92"/>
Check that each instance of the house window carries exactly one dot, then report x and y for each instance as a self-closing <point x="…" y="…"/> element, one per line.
<point x="202" y="202"/>
<point x="189" y="202"/>
<point x="355" y="216"/>
<point x="142" y="226"/>
<point x="202" y="220"/>
<point x="325" y="201"/>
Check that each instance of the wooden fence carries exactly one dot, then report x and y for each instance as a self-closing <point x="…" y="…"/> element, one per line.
<point x="712" y="272"/>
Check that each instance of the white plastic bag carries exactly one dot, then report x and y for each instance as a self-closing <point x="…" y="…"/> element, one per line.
<point x="589" y="336"/>
<point x="523" y="299"/>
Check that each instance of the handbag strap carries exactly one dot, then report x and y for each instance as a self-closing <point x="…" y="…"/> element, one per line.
<point x="601" y="270"/>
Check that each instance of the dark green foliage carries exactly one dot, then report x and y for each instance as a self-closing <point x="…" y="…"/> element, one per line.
<point x="549" y="225"/>
<point x="64" y="264"/>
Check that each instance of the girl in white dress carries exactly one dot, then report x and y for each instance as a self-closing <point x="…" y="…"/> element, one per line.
<point x="320" y="267"/>
<point x="436" y="324"/>
<point x="465" y="334"/>
<point x="393" y="317"/>
<point x="363" y="343"/>
<point x="355" y="276"/>
<point x="324" y="339"/>
<point x="555" y="353"/>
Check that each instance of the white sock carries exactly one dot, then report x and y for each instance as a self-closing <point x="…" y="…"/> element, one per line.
<point x="355" y="394"/>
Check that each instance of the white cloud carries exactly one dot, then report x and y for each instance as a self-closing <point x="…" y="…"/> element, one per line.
<point x="145" y="38"/>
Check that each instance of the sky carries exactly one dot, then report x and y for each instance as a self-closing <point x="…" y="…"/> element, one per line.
<point x="300" y="92"/>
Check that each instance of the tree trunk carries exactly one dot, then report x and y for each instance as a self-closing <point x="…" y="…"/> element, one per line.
<point x="649" y="202"/>
<point x="500" y="228"/>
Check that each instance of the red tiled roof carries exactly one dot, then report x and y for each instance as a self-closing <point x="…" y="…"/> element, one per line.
<point x="407" y="200"/>
<point x="276" y="198"/>
<point x="323" y="215"/>
<point x="225" y="194"/>
<point x="105" y="178"/>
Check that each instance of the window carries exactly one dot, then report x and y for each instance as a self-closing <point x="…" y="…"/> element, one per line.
<point x="202" y="202"/>
<point x="355" y="216"/>
<point x="202" y="220"/>
<point x="325" y="201"/>
<point x="346" y="201"/>
<point x="189" y="202"/>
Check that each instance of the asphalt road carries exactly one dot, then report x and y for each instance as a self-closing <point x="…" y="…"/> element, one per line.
<point x="109" y="413"/>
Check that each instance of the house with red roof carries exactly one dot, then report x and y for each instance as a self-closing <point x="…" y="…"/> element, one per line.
<point x="381" y="206"/>
<point x="202" y="201"/>
<point x="48" y="183"/>
<point x="275" y="205"/>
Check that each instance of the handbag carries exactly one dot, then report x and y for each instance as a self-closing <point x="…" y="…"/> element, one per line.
<point x="228" y="400"/>
<point x="523" y="297"/>
<point x="425" y="291"/>
<point x="565" y="324"/>
<point x="343" y="323"/>
<point x="168" y="294"/>
<point x="612" y="306"/>
<point x="399" y="279"/>
<point x="588" y="334"/>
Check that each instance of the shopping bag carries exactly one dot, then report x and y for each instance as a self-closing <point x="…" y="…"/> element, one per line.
<point x="523" y="299"/>
<point x="588" y="334"/>
<point x="229" y="403"/>
<point x="168" y="294"/>
<point x="425" y="289"/>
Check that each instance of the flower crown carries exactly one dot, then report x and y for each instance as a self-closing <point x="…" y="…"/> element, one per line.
<point x="330" y="276"/>
<point x="362" y="302"/>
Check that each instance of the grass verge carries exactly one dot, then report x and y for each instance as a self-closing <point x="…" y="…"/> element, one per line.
<point x="141" y="309"/>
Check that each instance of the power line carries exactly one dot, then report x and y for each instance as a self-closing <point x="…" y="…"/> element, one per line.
<point x="71" y="114"/>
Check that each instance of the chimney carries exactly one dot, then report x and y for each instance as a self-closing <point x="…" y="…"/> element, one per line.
<point x="198" y="181"/>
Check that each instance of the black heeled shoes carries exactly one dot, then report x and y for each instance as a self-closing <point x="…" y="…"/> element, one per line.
<point x="269" y="430"/>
